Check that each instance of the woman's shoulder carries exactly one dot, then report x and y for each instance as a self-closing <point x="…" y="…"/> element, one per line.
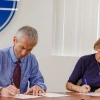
<point x="88" y="57"/>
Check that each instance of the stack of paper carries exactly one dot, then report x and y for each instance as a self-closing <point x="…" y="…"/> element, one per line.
<point x="23" y="96"/>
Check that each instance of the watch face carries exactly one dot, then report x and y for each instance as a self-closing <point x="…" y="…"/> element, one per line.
<point x="7" y="11"/>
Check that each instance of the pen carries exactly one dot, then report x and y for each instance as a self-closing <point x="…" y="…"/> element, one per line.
<point x="85" y="81"/>
<point x="12" y="83"/>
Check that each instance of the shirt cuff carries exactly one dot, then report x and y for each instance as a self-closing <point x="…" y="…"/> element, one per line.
<point x="42" y="86"/>
<point x="1" y="87"/>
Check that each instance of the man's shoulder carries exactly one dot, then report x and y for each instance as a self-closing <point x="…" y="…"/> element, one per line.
<point x="30" y="57"/>
<point x="5" y="50"/>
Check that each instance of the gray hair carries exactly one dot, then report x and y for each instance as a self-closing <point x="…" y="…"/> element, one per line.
<point x="29" y="31"/>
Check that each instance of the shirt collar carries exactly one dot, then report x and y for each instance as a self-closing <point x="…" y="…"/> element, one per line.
<point x="13" y="56"/>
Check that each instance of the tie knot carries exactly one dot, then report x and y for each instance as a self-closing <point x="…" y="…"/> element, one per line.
<point x="18" y="62"/>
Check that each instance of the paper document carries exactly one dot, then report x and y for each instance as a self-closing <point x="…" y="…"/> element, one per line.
<point x="92" y="94"/>
<point x="54" y="95"/>
<point x="23" y="96"/>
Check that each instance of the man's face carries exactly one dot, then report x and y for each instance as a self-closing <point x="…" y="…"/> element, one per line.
<point x="23" y="46"/>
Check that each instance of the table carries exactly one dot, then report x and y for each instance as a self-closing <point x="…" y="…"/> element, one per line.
<point x="74" y="96"/>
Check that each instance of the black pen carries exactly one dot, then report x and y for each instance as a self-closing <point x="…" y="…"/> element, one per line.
<point x="12" y="83"/>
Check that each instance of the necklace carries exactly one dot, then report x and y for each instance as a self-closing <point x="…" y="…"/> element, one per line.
<point x="98" y="67"/>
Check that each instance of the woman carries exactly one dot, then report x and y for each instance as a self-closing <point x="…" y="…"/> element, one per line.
<point x="88" y="70"/>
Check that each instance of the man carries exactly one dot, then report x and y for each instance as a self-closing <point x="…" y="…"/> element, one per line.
<point x="24" y="41"/>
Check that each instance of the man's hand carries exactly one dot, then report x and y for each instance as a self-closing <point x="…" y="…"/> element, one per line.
<point x="35" y="90"/>
<point x="85" y="88"/>
<point x="97" y="91"/>
<point x="9" y="91"/>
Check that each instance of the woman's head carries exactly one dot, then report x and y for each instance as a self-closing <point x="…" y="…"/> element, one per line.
<point x="97" y="45"/>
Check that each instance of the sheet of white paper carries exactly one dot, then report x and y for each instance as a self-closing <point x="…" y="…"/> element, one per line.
<point x="92" y="94"/>
<point x="55" y="95"/>
<point x="23" y="96"/>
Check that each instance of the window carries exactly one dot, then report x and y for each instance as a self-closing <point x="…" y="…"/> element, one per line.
<point x="76" y="27"/>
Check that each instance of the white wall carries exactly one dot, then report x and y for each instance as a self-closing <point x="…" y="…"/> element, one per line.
<point x="39" y="14"/>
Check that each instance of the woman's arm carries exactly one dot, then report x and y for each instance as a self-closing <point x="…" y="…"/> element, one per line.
<point x="70" y="86"/>
<point x="82" y="89"/>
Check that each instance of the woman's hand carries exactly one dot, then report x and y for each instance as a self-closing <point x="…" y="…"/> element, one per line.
<point x="97" y="91"/>
<point x="85" y="88"/>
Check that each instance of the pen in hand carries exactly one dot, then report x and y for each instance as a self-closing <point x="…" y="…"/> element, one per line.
<point x="88" y="87"/>
<point x="12" y="83"/>
<point x="85" y="81"/>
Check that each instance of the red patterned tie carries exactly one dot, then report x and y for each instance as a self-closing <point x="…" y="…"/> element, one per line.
<point x="17" y="74"/>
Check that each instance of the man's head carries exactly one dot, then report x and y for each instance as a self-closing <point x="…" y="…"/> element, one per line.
<point x="24" y="41"/>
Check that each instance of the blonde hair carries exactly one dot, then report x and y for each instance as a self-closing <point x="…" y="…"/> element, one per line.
<point x="97" y="44"/>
